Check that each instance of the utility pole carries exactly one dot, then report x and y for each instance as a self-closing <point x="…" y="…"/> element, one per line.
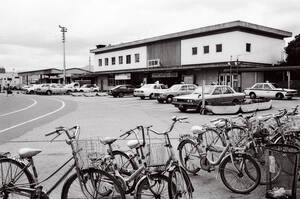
<point x="63" y="30"/>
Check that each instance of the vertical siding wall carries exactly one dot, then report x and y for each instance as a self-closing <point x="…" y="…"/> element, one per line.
<point x="169" y="52"/>
<point x="209" y="75"/>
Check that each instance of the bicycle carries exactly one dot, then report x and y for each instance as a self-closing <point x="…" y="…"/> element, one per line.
<point x="210" y="150"/>
<point x="143" y="180"/>
<point x="19" y="178"/>
<point x="180" y="185"/>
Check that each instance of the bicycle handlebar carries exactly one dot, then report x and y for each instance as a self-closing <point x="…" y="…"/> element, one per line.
<point x="60" y="130"/>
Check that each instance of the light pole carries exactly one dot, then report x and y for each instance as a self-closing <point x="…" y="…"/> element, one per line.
<point x="63" y="30"/>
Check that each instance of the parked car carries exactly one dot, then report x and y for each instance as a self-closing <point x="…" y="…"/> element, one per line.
<point x="32" y="88"/>
<point x="166" y="95"/>
<point x="213" y="94"/>
<point x="269" y="90"/>
<point x="89" y="88"/>
<point x="148" y="90"/>
<point x="73" y="87"/>
<point x="121" y="90"/>
<point x="50" y="89"/>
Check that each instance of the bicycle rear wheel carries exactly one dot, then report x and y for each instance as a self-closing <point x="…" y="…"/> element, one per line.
<point x="213" y="143"/>
<point x="126" y="167"/>
<point x="153" y="186"/>
<point x="181" y="186"/>
<point x="189" y="155"/>
<point x="242" y="175"/>
<point x="13" y="177"/>
<point x="96" y="184"/>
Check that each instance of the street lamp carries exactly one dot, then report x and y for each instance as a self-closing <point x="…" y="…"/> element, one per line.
<point x="63" y="30"/>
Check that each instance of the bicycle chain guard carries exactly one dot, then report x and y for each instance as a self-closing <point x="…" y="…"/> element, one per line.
<point x="205" y="165"/>
<point x="40" y="194"/>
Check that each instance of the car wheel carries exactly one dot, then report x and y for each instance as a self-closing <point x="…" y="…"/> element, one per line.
<point x="279" y="96"/>
<point x="68" y="92"/>
<point x="31" y="92"/>
<point x="252" y="95"/>
<point x="169" y="99"/>
<point x="81" y="91"/>
<point x="160" y="101"/>
<point x="151" y="96"/>
<point x="182" y="109"/>
<point x="142" y="97"/>
<point x="235" y="102"/>
<point x="48" y="92"/>
<point x="121" y="94"/>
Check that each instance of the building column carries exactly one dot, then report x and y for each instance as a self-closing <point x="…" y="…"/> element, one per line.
<point x="288" y="73"/>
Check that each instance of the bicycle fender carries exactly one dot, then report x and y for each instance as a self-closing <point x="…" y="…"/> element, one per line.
<point x="182" y="142"/>
<point x="138" y="183"/>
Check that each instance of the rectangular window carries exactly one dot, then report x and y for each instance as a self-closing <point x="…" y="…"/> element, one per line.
<point x="137" y="58"/>
<point x="106" y="61"/>
<point x="205" y="49"/>
<point x="99" y="62"/>
<point x="218" y="48"/>
<point x="248" y="47"/>
<point x="120" y="59"/>
<point x="113" y="61"/>
<point x="128" y="59"/>
<point x="194" y="50"/>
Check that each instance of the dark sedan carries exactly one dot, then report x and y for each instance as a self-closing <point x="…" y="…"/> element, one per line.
<point x="122" y="90"/>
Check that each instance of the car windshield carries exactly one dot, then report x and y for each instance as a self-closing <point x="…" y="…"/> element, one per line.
<point x="116" y="87"/>
<point x="207" y="90"/>
<point x="175" y="87"/>
<point x="275" y="85"/>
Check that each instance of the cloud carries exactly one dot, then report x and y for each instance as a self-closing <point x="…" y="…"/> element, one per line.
<point x="30" y="37"/>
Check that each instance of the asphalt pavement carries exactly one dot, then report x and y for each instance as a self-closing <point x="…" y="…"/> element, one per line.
<point x="100" y="117"/>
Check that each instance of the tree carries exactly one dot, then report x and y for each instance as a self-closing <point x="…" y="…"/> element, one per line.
<point x="2" y="70"/>
<point x="293" y="51"/>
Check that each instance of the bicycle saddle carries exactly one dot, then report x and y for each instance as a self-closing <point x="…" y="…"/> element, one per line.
<point x="197" y="130"/>
<point x="108" y="140"/>
<point x="28" y="152"/>
<point x="133" y="144"/>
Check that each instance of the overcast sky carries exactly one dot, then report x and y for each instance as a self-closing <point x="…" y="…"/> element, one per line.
<point x="31" y="39"/>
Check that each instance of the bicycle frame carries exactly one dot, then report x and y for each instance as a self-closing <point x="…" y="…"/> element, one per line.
<point x="37" y="183"/>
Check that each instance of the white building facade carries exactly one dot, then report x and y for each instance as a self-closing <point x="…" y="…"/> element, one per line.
<point x="214" y="54"/>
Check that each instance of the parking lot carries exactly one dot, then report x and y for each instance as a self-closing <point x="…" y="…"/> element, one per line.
<point x="108" y="116"/>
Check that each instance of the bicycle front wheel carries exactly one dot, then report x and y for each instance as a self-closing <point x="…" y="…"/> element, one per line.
<point x="95" y="184"/>
<point x="181" y="185"/>
<point x="240" y="174"/>
<point x="189" y="155"/>
<point x="14" y="177"/>
<point x="153" y="186"/>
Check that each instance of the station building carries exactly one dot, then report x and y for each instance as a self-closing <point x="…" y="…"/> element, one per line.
<point x="217" y="54"/>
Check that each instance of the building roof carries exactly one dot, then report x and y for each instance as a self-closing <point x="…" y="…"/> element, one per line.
<point x="51" y="71"/>
<point x="214" y="29"/>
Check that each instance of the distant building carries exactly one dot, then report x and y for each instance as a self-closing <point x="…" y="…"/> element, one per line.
<point x="10" y="78"/>
<point x="51" y="75"/>
<point x="213" y="53"/>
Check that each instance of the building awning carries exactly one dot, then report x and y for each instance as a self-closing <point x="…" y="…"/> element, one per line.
<point x="263" y="69"/>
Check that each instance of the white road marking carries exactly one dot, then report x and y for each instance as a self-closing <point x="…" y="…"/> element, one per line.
<point x="23" y="109"/>
<point x="37" y="118"/>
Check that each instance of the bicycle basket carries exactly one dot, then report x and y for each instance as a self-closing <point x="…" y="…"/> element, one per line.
<point x="294" y="123"/>
<point x="157" y="156"/>
<point x="89" y="151"/>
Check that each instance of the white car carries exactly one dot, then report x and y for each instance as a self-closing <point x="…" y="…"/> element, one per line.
<point x="86" y="88"/>
<point x="73" y="87"/>
<point x="148" y="90"/>
<point x="269" y="90"/>
<point x="32" y="88"/>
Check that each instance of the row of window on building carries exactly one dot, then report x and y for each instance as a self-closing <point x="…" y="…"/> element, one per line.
<point x="218" y="49"/>
<point x="120" y="60"/>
